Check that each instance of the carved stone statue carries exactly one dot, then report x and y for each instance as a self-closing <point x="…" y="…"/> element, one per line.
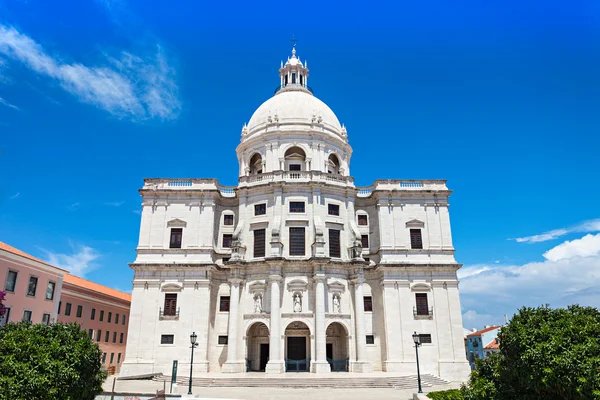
<point x="258" y="304"/>
<point x="297" y="302"/>
<point x="337" y="308"/>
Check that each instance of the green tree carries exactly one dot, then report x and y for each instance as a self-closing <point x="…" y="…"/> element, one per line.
<point x="41" y="362"/>
<point x="550" y="354"/>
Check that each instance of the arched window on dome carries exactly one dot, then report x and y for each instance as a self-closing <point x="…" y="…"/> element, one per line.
<point x="301" y="79"/>
<point x="256" y="164"/>
<point x="295" y="159"/>
<point x="333" y="164"/>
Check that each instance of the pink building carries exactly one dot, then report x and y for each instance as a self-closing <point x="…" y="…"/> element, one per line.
<point x="101" y="311"/>
<point x="33" y="287"/>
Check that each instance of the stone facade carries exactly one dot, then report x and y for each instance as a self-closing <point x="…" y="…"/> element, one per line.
<point x="295" y="267"/>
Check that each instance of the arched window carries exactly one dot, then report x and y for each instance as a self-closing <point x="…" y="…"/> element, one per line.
<point x="301" y="79"/>
<point x="256" y="164"/>
<point x="293" y="77"/>
<point x="333" y="164"/>
<point x="294" y="159"/>
<point x="285" y="80"/>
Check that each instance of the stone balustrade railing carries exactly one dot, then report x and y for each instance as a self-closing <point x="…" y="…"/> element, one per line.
<point x="189" y="184"/>
<point x="295" y="176"/>
<point x="410" y="185"/>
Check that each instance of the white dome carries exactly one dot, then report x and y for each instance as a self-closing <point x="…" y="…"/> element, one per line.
<point x="294" y="107"/>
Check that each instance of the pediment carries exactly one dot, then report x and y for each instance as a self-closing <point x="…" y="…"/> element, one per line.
<point x="257" y="287"/>
<point x="336" y="287"/>
<point x="415" y="223"/>
<point x="176" y="223"/>
<point x="420" y="286"/>
<point x="171" y="287"/>
<point x="297" y="284"/>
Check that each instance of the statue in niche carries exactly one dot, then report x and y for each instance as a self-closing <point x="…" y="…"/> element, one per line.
<point x="297" y="302"/>
<point x="258" y="304"/>
<point x="337" y="307"/>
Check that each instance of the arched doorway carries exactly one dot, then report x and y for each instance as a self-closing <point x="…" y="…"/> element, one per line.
<point x="297" y="347"/>
<point x="337" y="347"/>
<point x="295" y="159"/>
<point x="256" y="164"/>
<point x="333" y="164"/>
<point x="257" y="353"/>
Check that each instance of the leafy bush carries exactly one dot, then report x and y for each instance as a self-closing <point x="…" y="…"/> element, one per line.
<point x="452" y="394"/>
<point x="544" y="354"/>
<point x="42" y="362"/>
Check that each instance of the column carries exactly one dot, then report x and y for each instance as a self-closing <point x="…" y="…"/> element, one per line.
<point x="361" y="364"/>
<point x="275" y="364"/>
<point x="320" y="364"/>
<point x="233" y="364"/>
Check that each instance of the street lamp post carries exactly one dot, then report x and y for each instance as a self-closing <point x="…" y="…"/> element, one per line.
<point x="417" y="340"/>
<point x="193" y="338"/>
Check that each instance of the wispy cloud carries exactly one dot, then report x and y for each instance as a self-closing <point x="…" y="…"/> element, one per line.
<point x="138" y="212"/>
<point x="114" y="203"/>
<point x="592" y="225"/>
<point x="130" y="86"/>
<point x="9" y="105"/>
<point x="79" y="262"/>
<point x="15" y="195"/>
<point x="568" y="274"/>
<point x="74" y="206"/>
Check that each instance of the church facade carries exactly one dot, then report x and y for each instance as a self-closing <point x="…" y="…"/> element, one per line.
<point x="295" y="268"/>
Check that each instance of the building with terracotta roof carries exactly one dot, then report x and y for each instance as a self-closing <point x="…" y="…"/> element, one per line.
<point x="481" y="344"/>
<point x="101" y="311"/>
<point x="33" y="287"/>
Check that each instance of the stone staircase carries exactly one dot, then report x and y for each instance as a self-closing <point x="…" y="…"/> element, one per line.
<point x="310" y="381"/>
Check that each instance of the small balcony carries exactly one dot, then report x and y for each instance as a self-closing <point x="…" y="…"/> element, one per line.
<point x="423" y="313"/>
<point x="168" y="314"/>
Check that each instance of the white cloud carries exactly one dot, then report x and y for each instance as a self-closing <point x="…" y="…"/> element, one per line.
<point x="114" y="203"/>
<point x="9" y="105"/>
<point x="589" y="245"/>
<point x="592" y="225"/>
<point x="130" y="86"/>
<point x="138" y="212"/>
<point x="569" y="274"/>
<point x="74" y="206"/>
<point x="15" y="195"/>
<point x="79" y="262"/>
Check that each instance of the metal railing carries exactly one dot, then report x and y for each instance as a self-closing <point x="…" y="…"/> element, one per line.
<point x="339" y="365"/>
<point x="297" y="365"/>
<point x="163" y="315"/>
<point x="428" y="313"/>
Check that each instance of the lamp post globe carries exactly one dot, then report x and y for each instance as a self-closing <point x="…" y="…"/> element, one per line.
<point x="417" y="339"/>
<point x="193" y="338"/>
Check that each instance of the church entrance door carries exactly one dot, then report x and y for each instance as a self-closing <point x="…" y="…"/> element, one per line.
<point x="297" y="347"/>
<point x="264" y="355"/>
<point x="257" y="351"/>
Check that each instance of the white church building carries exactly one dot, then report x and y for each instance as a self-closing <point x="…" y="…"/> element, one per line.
<point x="295" y="268"/>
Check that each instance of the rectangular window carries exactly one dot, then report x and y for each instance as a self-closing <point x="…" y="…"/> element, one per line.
<point x="416" y="241"/>
<point x="119" y="358"/>
<point x="334" y="243"/>
<point x="79" y="311"/>
<point x="368" y="302"/>
<point x="170" y="304"/>
<point x="59" y="306"/>
<point x="222" y="339"/>
<point x="362" y="220"/>
<point x="50" y="290"/>
<point x="422" y="306"/>
<point x="26" y="316"/>
<point x="333" y="209"/>
<point x="425" y="338"/>
<point x="106" y="336"/>
<point x="46" y="319"/>
<point x="91" y="334"/>
<point x="11" y="281"/>
<point x="296" y="206"/>
<point x="6" y="317"/>
<point x="114" y="337"/>
<point x="259" y="243"/>
<point x="228" y="219"/>
<point x="103" y="358"/>
<point x="297" y="242"/>
<point x="93" y="314"/>
<point x="167" y="339"/>
<point x="123" y="319"/>
<point x="99" y="337"/>
<point x="68" y="309"/>
<point x="224" y="304"/>
<point x="227" y="239"/>
<point x="109" y="317"/>
<point x="295" y="167"/>
<point x="260" y="209"/>
<point x="364" y="241"/>
<point x="32" y="287"/>
<point x="112" y="357"/>
<point x="370" y="339"/>
<point x="121" y="337"/>
<point x="176" y="235"/>
<point x="101" y="315"/>
<point x="117" y="318"/>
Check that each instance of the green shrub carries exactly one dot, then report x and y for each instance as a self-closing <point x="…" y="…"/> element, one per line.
<point x="452" y="394"/>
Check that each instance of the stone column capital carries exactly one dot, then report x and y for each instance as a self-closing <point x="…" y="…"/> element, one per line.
<point x="275" y="278"/>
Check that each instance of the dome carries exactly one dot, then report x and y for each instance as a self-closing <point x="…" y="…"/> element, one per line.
<point x="292" y="107"/>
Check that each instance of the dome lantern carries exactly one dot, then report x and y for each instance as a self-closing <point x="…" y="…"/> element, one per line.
<point x="293" y="74"/>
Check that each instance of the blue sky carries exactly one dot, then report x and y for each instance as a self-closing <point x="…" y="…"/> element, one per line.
<point x="498" y="97"/>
